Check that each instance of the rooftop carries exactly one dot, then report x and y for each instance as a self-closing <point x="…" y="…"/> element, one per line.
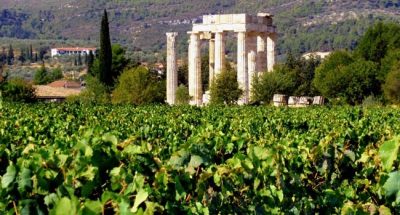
<point x="75" y="49"/>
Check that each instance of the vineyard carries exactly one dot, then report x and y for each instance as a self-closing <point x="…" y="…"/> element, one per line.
<point x="73" y="159"/>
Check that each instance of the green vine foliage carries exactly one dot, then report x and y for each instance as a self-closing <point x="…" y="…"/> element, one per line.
<point x="74" y="159"/>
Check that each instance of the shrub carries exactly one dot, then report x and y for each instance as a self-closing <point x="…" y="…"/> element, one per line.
<point x="225" y="88"/>
<point x="270" y="83"/>
<point x="138" y="86"/>
<point x="56" y="74"/>
<point x="18" y="90"/>
<point x="41" y="76"/>
<point x="182" y="95"/>
<point x="391" y="88"/>
<point x="329" y="75"/>
<point x="95" y="92"/>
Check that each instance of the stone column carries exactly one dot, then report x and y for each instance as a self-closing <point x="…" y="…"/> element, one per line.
<point x="172" y="75"/>
<point x="195" y="87"/>
<point x="211" y="60"/>
<point x="242" y="75"/>
<point x="271" y="41"/>
<point x="261" y="53"/>
<point x="219" y="52"/>
<point x="251" y="69"/>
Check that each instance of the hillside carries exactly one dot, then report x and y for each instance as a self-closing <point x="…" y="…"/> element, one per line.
<point x="140" y="24"/>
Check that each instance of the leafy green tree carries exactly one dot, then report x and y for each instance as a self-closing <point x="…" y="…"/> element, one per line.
<point x="302" y="72"/>
<point x="138" y="86"/>
<point x="119" y="61"/>
<point x="267" y="84"/>
<point x="41" y="76"/>
<point x="205" y="67"/>
<point x="391" y="88"/>
<point x="391" y="59"/>
<point x="378" y="40"/>
<point x="55" y="74"/>
<point x="360" y="81"/>
<point x="95" y="92"/>
<point x="17" y="90"/>
<point x="330" y="74"/>
<point x="183" y="72"/>
<point x="105" y="55"/>
<point x="182" y="95"/>
<point x="225" y="88"/>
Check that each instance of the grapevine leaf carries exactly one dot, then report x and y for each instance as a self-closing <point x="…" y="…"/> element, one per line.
<point x="261" y="153"/>
<point x="24" y="181"/>
<point x="388" y="153"/>
<point x="51" y="199"/>
<point x="392" y="185"/>
<point x="9" y="177"/>
<point x="140" y="198"/>
<point x="110" y="139"/>
<point x="92" y="207"/>
<point x="64" y="207"/>
<point x="350" y="154"/>
<point x="195" y="161"/>
<point x="179" y="190"/>
<point x="383" y="210"/>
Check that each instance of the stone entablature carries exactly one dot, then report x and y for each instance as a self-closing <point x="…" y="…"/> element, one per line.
<point x="236" y="23"/>
<point x="256" y="39"/>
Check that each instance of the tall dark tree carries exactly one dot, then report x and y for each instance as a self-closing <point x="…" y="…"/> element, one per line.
<point x="105" y="56"/>
<point x="3" y="57"/>
<point x="30" y="53"/>
<point x="36" y="57"/>
<point x="10" y="56"/>
<point x="90" y="62"/>
<point x="22" y="57"/>
<point x="79" y="60"/>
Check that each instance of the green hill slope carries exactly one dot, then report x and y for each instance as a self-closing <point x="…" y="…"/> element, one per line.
<point x="303" y="25"/>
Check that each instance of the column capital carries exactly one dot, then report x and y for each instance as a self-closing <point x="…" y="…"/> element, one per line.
<point x="171" y="34"/>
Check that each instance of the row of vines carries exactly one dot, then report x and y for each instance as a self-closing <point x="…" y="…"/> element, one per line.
<point x="73" y="159"/>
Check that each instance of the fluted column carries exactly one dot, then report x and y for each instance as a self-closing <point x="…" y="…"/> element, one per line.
<point x="195" y="87"/>
<point x="242" y="74"/>
<point x="211" y="60"/>
<point x="172" y="75"/>
<point x="261" y="53"/>
<point x="251" y="65"/>
<point x="219" y="52"/>
<point x="271" y="41"/>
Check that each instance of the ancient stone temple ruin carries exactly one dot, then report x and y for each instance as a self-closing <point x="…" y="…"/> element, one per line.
<point x="256" y="37"/>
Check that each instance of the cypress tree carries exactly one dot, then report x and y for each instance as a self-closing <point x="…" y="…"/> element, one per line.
<point x="105" y="56"/>
<point x="10" y="56"/>
<point x="22" y="56"/>
<point x="86" y="58"/>
<point x="90" y="62"/>
<point x="79" y="60"/>
<point x="3" y="56"/>
<point x="30" y="53"/>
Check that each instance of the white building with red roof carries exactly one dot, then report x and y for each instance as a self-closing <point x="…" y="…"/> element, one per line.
<point x="71" y="51"/>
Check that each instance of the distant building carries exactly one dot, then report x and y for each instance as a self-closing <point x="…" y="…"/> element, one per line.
<point x="321" y="55"/>
<point x="57" y="91"/>
<point x="71" y="51"/>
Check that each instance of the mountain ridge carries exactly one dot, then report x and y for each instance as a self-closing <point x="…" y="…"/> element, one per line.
<point x="303" y="25"/>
